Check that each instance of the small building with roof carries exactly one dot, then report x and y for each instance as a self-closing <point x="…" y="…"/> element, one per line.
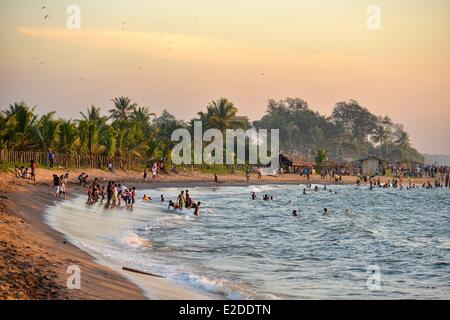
<point x="372" y="166"/>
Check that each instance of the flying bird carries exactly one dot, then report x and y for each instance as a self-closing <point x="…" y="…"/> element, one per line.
<point x="47" y="16"/>
<point x="43" y="7"/>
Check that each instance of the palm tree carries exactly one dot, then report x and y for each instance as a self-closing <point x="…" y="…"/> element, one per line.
<point x="401" y="137"/>
<point x="380" y="135"/>
<point x="46" y="131"/>
<point x="19" y="126"/>
<point x="320" y="157"/>
<point x="219" y="115"/>
<point x="89" y="128"/>
<point x="67" y="135"/>
<point x="142" y="115"/>
<point x="122" y="109"/>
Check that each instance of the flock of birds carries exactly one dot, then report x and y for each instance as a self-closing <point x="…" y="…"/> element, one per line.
<point x="46" y="16"/>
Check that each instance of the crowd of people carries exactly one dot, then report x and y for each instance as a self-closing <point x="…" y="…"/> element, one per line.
<point x="117" y="193"/>
<point x="419" y="170"/>
<point x="26" y="172"/>
<point x="184" y="200"/>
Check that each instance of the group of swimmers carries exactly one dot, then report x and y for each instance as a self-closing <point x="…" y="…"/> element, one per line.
<point x="397" y="183"/>
<point x="115" y="193"/>
<point x="184" y="200"/>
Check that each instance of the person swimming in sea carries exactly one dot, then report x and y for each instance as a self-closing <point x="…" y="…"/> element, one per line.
<point x="172" y="205"/>
<point x="253" y="195"/>
<point x="162" y="198"/>
<point x="325" y="211"/>
<point x="294" y="213"/>
<point x="304" y="191"/>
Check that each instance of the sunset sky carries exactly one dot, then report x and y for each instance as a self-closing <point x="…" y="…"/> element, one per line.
<point x="179" y="55"/>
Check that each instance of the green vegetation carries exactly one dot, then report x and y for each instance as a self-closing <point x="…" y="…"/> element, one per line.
<point x="132" y="130"/>
<point x="350" y="132"/>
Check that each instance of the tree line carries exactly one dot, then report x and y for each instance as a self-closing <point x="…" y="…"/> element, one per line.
<point x="128" y="129"/>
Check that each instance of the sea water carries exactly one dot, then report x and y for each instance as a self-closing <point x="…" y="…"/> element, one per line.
<point x="240" y="248"/>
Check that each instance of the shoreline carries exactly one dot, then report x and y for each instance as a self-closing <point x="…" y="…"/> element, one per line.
<point x="153" y="287"/>
<point x="34" y="257"/>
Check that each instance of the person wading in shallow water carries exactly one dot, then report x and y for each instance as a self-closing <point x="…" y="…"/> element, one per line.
<point x="57" y="185"/>
<point x="181" y="200"/>
<point x="197" y="209"/>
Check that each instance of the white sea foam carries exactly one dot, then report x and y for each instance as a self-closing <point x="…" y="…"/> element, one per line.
<point x="135" y="241"/>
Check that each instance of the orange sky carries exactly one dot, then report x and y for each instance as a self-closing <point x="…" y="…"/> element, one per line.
<point x="179" y="55"/>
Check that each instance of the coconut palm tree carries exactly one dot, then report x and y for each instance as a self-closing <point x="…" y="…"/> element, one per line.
<point x="219" y="114"/>
<point x="66" y="136"/>
<point x="46" y="131"/>
<point x="401" y="137"/>
<point x="19" y="126"/>
<point x="381" y="135"/>
<point x="89" y="128"/>
<point x="142" y="115"/>
<point x="321" y="156"/>
<point x="122" y="109"/>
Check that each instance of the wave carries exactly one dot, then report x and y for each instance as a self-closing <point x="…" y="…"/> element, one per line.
<point x="133" y="240"/>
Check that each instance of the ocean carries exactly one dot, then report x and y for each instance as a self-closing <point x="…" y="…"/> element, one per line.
<point x="240" y="248"/>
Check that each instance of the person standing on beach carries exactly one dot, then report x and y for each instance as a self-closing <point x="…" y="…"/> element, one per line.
<point x="154" y="170"/>
<point x="51" y="158"/>
<point x="216" y="179"/>
<point x="33" y="167"/>
<point x="247" y="174"/>
<point x="145" y="174"/>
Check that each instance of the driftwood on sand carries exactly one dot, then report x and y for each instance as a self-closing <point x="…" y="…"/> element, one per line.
<point x="141" y="272"/>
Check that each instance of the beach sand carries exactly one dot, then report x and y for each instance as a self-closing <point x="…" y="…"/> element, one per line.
<point x="34" y="257"/>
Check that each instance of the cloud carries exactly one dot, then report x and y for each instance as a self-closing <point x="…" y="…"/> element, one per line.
<point x="172" y="46"/>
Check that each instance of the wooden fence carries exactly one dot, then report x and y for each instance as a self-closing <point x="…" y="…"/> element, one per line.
<point x="72" y="160"/>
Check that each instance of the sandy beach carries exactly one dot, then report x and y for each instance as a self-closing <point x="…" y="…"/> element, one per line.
<point x="34" y="258"/>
